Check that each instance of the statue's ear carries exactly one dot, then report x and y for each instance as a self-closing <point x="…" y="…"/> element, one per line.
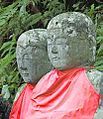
<point x="96" y="78"/>
<point x="92" y="47"/>
<point x="92" y="40"/>
<point x="101" y="85"/>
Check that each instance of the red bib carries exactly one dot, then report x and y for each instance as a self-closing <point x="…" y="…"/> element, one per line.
<point x="61" y="95"/>
<point x="20" y="106"/>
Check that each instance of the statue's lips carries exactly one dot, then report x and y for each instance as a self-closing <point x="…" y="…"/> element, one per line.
<point x="55" y="58"/>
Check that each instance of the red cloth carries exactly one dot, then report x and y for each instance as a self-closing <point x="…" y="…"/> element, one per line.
<point x="62" y="95"/>
<point x="20" y="106"/>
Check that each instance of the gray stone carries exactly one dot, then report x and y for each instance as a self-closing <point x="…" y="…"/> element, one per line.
<point x="96" y="78"/>
<point x="72" y="44"/>
<point x="99" y="114"/>
<point x="78" y="31"/>
<point x="31" y="53"/>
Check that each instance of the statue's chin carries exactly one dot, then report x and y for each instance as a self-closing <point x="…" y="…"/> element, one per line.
<point x="64" y="66"/>
<point x="27" y="80"/>
<point x="61" y="66"/>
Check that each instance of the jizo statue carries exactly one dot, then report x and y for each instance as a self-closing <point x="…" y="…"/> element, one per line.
<point x="31" y="53"/>
<point x="72" y="44"/>
<point x="72" y="89"/>
<point x="73" y="35"/>
<point x="32" y="58"/>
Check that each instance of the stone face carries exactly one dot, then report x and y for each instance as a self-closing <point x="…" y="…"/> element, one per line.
<point x="68" y="50"/>
<point x="78" y="32"/>
<point x="31" y="53"/>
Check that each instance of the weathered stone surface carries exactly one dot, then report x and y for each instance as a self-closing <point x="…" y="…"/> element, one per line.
<point x="79" y="34"/>
<point x="72" y="44"/>
<point x="99" y="114"/>
<point x="68" y="51"/>
<point x="32" y="58"/>
<point x="74" y="23"/>
<point x="96" y="78"/>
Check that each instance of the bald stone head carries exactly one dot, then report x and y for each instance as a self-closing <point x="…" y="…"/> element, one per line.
<point x="72" y="40"/>
<point x="31" y="53"/>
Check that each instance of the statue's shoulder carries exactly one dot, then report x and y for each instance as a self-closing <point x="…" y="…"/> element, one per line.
<point x="19" y="91"/>
<point x="96" y="78"/>
<point x="94" y="74"/>
<point x="99" y="114"/>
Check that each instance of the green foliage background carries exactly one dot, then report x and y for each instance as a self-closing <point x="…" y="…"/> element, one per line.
<point x="17" y="16"/>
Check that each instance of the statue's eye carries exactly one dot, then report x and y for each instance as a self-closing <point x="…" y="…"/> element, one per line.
<point x="70" y="31"/>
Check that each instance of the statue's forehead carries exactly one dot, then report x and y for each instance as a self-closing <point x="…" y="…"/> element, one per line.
<point x="21" y="51"/>
<point x="69" y="19"/>
<point x="58" y="40"/>
<point x="35" y="37"/>
<point x="26" y="40"/>
<point x="62" y="35"/>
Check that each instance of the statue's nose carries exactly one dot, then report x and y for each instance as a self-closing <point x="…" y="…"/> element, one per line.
<point x="22" y="64"/>
<point x="54" y="50"/>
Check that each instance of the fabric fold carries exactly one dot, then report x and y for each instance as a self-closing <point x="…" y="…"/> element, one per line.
<point x="58" y="95"/>
<point x="64" y="94"/>
<point x="20" y="106"/>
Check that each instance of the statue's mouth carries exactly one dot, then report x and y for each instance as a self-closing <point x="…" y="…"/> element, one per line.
<point x="55" y="58"/>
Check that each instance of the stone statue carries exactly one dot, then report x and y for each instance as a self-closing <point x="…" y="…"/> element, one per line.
<point x="31" y="53"/>
<point x="32" y="58"/>
<point x="72" y="44"/>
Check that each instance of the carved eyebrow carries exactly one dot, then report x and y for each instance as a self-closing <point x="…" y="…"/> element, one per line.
<point x="35" y="45"/>
<point x="21" y="46"/>
<point x="26" y="46"/>
<point x="57" y="39"/>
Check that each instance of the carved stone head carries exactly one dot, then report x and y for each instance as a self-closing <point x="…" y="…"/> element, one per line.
<point x="31" y="53"/>
<point x="72" y="40"/>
